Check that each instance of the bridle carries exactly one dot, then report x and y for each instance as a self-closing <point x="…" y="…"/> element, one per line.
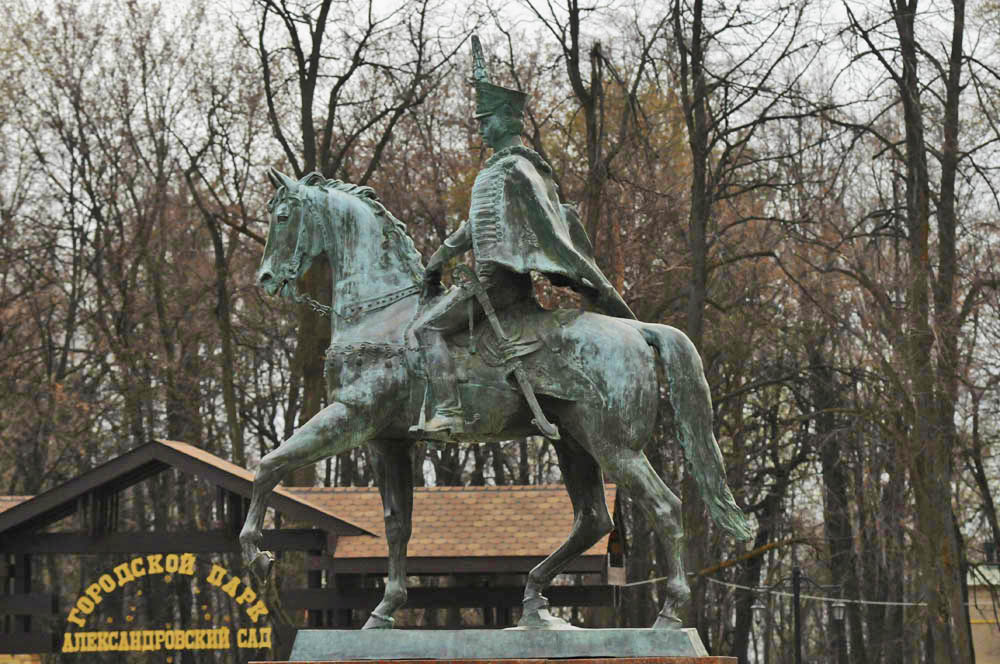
<point x="349" y="310"/>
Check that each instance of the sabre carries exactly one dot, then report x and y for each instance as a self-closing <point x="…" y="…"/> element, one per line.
<point x="468" y="280"/>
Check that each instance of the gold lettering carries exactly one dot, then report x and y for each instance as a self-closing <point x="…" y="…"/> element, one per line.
<point x="165" y="639"/>
<point x="257" y="610"/>
<point x="94" y="592"/>
<point x="107" y="583"/>
<point x="153" y="563"/>
<point x="265" y="637"/>
<point x="75" y="618"/>
<point x="231" y="586"/>
<point x="68" y="644"/>
<point x="85" y="605"/>
<point x="246" y="597"/>
<point x="216" y="576"/>
<point x="187" y="564"/>
<point x="123" y="573"/>
<point x="171" y="563"/>
<point x="138" y="567"/>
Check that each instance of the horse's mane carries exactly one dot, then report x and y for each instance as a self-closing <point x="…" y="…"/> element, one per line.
<point x="404" y="243"/>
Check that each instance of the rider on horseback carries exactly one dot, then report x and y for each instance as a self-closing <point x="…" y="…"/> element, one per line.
<point x="516" y="225"/>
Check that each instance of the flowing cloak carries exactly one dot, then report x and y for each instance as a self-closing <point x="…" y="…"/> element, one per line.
<point x="517" y="221"/>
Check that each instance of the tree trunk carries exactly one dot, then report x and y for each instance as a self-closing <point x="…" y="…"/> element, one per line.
<point x="836" y="507"/>
<point x="931" y="440"/>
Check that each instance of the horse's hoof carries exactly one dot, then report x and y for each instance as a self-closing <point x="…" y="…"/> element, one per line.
<point x="542" y="619"/>
<point x="668" y="622"/>
<point x="536" y="616"/>
<point x="261" y="566"/>
<point x="375" y="621"/>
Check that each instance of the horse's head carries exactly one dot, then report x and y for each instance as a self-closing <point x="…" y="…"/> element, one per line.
<point x="291" y="239"/>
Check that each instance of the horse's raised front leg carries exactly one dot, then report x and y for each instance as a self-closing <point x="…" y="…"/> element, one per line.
<point x="591" y="522"/>
<point x="335" y="429"/>
<point x="393" y="465"/>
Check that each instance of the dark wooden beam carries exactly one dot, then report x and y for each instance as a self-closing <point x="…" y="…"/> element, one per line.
<point x="436" y="598"/>
<point x="38" y="604"/>
<point x="217" y="541"/>
<point x="456" y="565"/>
<point x="143" y="462"/>
<point x="16" y="643"/>
<point x="55" y="504"/>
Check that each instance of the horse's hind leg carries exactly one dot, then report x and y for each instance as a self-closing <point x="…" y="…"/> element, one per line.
<point x="335" y="429"/>
<point x="393" y="466"/>
<point x="591" y="522"/>
<point x="630" y="469"/>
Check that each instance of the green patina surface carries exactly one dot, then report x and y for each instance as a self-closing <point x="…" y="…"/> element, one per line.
<point x="403" y="364"/>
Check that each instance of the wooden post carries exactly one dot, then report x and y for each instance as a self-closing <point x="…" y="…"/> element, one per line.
<point x="22" y="584"/>
<point x="314" y="579"/>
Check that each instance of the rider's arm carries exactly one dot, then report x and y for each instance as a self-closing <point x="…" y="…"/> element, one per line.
<point x="457" y="243"/>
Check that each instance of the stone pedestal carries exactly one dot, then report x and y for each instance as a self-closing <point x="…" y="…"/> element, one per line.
<point x="583" y="646"/>
<point x="603" y="660"/>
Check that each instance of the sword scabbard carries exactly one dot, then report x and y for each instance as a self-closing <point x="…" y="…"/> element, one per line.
<point x="468" y="279"/>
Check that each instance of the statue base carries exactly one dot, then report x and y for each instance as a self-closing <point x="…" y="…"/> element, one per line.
<point x="625" y="646"/>
<point x="603" y="660"/>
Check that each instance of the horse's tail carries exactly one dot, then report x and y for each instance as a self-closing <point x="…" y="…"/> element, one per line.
<point x="692" y="402"/>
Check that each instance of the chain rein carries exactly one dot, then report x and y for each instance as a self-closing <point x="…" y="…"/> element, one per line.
<point x="355" y="309"/>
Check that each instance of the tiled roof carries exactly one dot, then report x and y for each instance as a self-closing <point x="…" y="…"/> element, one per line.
<point x="461" y="521"/>
<point x="6" y="502"/>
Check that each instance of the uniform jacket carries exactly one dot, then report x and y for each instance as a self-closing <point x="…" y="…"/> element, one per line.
<point x="516" y="220"/>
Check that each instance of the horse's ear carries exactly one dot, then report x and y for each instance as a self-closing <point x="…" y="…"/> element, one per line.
<point x="279" y="179"/>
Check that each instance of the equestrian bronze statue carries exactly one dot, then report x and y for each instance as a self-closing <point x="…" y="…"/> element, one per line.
<point x="482" y="362"/>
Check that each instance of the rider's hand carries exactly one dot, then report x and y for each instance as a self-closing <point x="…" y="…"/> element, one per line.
<point x="432" y="284"/>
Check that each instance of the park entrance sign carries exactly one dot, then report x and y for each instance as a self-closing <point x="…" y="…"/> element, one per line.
<point x="126" y="589"/>
<point x="88" y="630"/>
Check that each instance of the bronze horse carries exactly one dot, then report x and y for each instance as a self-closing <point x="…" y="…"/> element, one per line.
<point x="595" y="376"/>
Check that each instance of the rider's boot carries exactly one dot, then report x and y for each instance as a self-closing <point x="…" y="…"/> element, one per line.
<point x="448" y="413"/>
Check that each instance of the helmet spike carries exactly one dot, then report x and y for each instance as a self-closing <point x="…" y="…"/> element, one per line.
<point x="490" y="97"/>
<point x="479" y="71"/>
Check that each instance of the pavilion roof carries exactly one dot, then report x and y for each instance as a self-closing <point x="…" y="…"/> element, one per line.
<point x="29" y="513"/>
<point x="462" y="522"/>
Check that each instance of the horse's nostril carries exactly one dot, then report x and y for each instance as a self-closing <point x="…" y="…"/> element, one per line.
<point x="264" y="277"/>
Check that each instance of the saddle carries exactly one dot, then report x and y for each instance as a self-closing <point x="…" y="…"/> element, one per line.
<point x="537" y="340"/>
<point x="541" y="341"/>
